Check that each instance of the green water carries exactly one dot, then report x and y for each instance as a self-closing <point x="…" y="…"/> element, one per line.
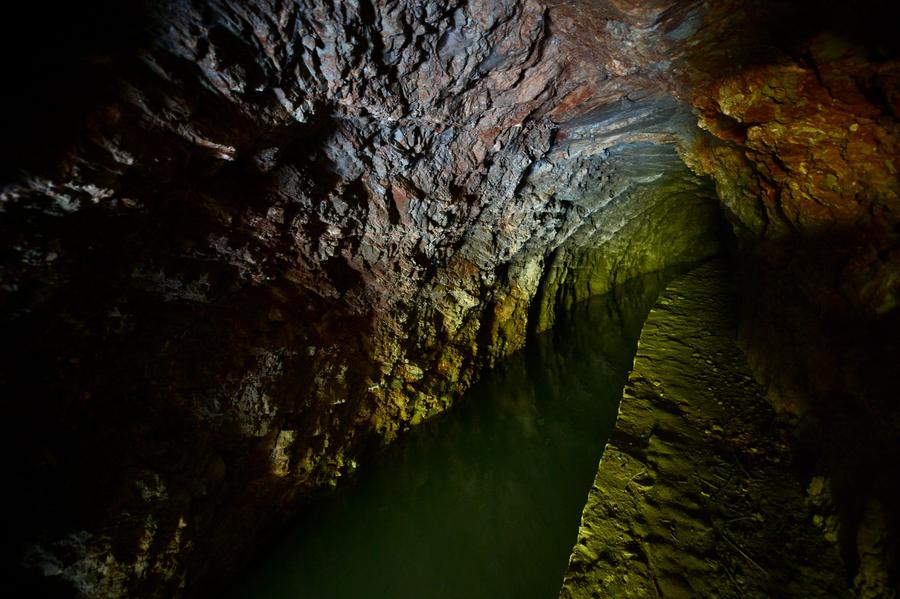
<point x="484" y="501"/>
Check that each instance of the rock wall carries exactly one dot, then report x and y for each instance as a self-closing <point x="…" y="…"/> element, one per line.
<point x="264" y="236"/>
<point x="803" y="148"/>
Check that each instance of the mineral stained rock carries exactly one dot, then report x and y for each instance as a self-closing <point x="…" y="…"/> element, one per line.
<point x="245" y="240"/>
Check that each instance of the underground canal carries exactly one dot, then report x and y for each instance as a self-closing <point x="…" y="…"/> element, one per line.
<point x="483" y="501"/>
<point x="308" y="292"/>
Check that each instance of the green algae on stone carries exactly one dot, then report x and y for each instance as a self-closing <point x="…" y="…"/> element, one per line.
<point x="668" y="221"/>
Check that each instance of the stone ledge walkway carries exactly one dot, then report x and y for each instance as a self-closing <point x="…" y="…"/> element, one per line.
<point x="696" y="495"/>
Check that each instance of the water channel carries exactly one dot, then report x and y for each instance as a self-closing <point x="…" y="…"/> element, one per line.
<point x="481" y="502"/>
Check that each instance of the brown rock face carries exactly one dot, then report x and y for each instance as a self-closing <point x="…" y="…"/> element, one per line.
<point x="246" y="240"/>
<point x="804" y="151"/>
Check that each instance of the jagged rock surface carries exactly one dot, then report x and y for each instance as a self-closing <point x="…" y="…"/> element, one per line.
<point x="804" y="148"/>
<point x="282" y="231"/>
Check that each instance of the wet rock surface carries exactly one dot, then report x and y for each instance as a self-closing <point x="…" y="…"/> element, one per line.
<point x="697" y="493"/>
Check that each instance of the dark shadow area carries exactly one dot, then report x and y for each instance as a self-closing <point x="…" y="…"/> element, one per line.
<point x="59" y="62"/>
<point x="834" y="366"/>
<point x="767" y="32"/>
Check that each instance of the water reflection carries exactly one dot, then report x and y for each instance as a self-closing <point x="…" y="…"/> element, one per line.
<point x="484" y="501"/>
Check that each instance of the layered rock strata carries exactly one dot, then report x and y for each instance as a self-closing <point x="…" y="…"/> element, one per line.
<point x="696" y="494"/>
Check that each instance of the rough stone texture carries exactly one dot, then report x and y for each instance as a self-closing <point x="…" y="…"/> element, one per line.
<point x="696" y="495"/>
<point x="804" y="149"/>
<point x="262" y="236"/>
<point x="246" y="240"/>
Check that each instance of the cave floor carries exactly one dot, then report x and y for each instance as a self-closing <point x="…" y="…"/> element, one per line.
<point x="697" y="494"/>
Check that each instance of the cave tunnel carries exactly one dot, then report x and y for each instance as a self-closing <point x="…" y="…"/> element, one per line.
<point x="479" y="298"/>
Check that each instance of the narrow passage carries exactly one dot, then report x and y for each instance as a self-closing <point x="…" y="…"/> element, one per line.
<point x="697" y="494"/>
<point x="482" y="502"/>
